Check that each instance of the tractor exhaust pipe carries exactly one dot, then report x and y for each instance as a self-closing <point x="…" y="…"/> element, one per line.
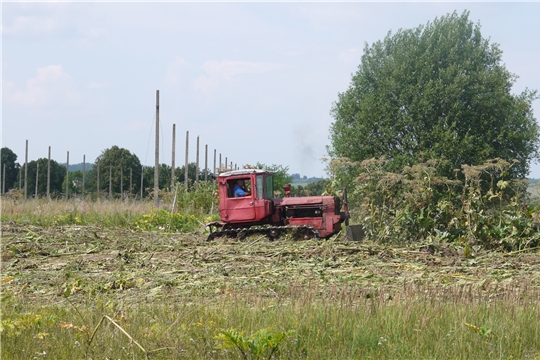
<point x="287" y="188"/>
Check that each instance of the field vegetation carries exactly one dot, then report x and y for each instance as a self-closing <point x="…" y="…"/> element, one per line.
<point x="119" y="280"/>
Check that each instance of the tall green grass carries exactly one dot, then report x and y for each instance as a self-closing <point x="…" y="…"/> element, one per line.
<point x="42" y="212"/>
<point x="180" y="211"/>
<point x="418" y="322"/>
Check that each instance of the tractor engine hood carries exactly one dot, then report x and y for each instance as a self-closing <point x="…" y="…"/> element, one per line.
<point x="305" y="200"/>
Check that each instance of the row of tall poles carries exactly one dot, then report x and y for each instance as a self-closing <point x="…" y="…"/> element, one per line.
<point x="156" y="168"/>
<point x="173" y="176"/>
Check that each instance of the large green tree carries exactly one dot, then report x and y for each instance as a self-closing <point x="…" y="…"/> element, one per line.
<point x="115" y="163"/>
<point x="438" y="91"/>
<point x="9" y="159"/>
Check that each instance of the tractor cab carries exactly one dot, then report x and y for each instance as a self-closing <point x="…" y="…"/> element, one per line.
<point x="245" y="196"/>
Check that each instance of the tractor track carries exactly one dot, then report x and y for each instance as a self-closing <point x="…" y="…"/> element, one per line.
<point x="273" y="232"/>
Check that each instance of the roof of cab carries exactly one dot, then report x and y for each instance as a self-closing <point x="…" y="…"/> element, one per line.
<point x="244" y="172"/>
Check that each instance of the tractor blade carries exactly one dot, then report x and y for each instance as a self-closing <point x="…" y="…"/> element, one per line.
<point x="355" y="232"/>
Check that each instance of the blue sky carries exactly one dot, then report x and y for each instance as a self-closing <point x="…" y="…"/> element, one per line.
<point x="255" y="81"/>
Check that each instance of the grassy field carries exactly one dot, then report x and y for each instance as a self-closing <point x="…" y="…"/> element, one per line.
<point x="113" y="292"/>
<point x="341" y="299"/>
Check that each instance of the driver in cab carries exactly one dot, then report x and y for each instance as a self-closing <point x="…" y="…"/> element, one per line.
<point x="240" y="190"/>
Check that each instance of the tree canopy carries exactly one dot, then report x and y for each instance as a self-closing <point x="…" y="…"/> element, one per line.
<point x="58" y="173"/>
<point x="438" y="91"/>
<point x="9" y="158"/>
<point x="118" y="162"/>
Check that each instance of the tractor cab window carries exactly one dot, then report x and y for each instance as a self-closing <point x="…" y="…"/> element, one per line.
<point x="265" y="187"/>
<point x="268" y="187"/>
<point x="260" y="187"/>
<point x="239" y="187"/>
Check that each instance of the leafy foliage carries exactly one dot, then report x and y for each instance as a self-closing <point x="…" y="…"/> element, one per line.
<point x="418" y="204"/>
<point x="164" y="177"/>
<point x="255" y="346"/>
<point x="201" y="199"/>
<point x="164" y="220"/>
<point x="58" y="173"/>
<point x="9" y="159"/>
<point x="281" y="176"/>
<point x="180" y="173"/>
<point x="311" y="189"/>
<point x="165" y="173"/>
<point x="437" y="91"/>
<point x="114" y="164"/>
<point x="75" y="182"/>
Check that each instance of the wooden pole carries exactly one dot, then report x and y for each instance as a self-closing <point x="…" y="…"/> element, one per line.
<point x="121" y="182"/>
<point x="187" y="165"/>
<point x="67" y="176"/>
<point x="98" y="188"/>
<point x="142" y="178"/>
<point x="49" y="176"/>
<point x="4" y="180"/>
<point x="26" y="172"/>
<point x="110" y="182"/>
<point x="37" y="173"/>
<point x="226" y="164"/>
<point x="206" y="162"/>
<point x="220" y="161"/>
<point x="83" y="173"/>
<point x="173" y="155"/>
<point x="156" y="163"/>
<point x="197" y="163"/>
<point x="214" y="172"/>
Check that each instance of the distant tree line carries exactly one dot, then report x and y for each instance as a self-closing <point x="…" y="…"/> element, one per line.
<point x="116" y="171"/>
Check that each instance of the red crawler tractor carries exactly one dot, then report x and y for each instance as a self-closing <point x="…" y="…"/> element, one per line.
<point x="257" y="211"/>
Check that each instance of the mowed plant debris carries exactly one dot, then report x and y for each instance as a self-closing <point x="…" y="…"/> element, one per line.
<point x="45" y="264"/>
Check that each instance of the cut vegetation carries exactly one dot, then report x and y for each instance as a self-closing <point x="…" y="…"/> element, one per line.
<point x="92" y="292"/>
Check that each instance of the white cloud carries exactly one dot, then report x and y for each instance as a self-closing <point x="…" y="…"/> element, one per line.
<point x="218" y="71"/>
<point x="51" y="84"/>
<point x="175" y="70"/>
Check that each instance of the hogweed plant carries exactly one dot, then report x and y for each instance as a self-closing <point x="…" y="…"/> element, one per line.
<point x="481" y="206"/>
